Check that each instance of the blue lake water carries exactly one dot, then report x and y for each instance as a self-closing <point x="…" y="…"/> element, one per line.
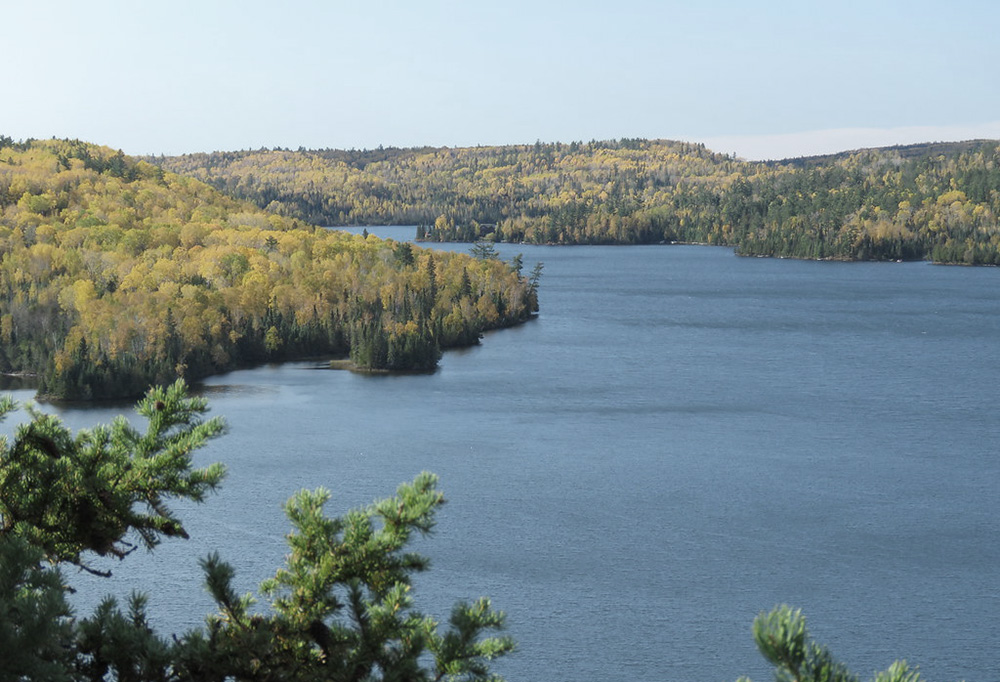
<point x="682" y="439"/>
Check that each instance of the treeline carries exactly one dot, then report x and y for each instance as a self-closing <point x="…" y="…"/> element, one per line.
<point x="935" y="201"/>
<point x="485" y="185"/>
<point x="116" y="274"/>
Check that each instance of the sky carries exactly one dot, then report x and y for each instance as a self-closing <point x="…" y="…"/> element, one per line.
<point x="756" y="79"/>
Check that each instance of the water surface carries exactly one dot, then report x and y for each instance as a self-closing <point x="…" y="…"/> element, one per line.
<point x="682" y="439"/>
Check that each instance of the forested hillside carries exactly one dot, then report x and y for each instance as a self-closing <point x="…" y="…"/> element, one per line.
<point x="559" y="193"/>
<point x="925" y="201"/>
<point x="115" y="274"/>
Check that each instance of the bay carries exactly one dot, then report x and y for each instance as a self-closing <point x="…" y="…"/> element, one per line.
<point x="681" y="439"/>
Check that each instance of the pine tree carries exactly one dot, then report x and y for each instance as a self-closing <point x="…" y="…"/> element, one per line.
<point x="68" y="495"/>
<point x="783" y="639"/>
<point x="484" y="250"/>
<point x="340" y="609"/>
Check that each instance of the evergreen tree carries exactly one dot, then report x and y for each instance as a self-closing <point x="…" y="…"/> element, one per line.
<point x="340" y="609"/>
<point x="782" y="639"/>
<point x="35" y="628"/>
<point x="69" y="495"/>
<point x="533" y="283"/>
<point x="484" y="250"/>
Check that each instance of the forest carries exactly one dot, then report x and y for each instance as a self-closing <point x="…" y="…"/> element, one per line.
<point x="934" y="201"/>
<point x="116" y="274"/>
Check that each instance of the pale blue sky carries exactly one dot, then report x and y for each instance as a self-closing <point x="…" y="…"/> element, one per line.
<point x="760" y="79"/>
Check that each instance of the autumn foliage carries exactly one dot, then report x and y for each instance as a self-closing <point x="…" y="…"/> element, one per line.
<point x="935" y="201"/>
<point x="115" y="275"/>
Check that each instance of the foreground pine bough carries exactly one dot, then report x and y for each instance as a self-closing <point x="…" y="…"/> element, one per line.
<point x="782" y="639"/>
<point x="340" y="609"/>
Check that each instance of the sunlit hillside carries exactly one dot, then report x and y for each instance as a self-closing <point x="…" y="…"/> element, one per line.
<point x="115" y="274"/>
<point x="935" y="201"/>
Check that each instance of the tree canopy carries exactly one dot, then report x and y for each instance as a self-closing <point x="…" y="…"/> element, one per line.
<point x="935" y="201"/>
<point x="115" y="275"/>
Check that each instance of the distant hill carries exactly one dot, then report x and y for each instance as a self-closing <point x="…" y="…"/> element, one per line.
<point x="116" y="274"/>
<point x="935" y="201"/>
<point x="904" y="151"/>
<point x="477" y="184"/>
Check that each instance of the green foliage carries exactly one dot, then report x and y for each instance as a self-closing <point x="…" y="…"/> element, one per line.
<point x="533" y="283"/>
<point x="67" y="495"/>
<point x="899" y="671"/>
<point x="484" y="250"/>
<point x="35" y="626"/>
<point x="783" y="640"/>
<point x="340" y="609"/>
<point x="123" y="645"/>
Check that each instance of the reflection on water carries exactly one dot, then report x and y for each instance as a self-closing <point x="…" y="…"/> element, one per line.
<point x="9" y="382"/>
<point x="208" y="390"/>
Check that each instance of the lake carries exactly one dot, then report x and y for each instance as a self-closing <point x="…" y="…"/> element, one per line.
<point x="682" y="439"/>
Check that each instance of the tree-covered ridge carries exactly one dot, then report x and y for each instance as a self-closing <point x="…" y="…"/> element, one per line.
<point x="937" y="202"/>
<point x="485" y="185"/>
<point x="115" y="274"/>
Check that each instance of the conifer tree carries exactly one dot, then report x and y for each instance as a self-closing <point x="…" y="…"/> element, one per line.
<point x="484" y="250"/>
<point x="67" y="495"/>
<point x="782" y="638"/>
<point x="340" y="609"/>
